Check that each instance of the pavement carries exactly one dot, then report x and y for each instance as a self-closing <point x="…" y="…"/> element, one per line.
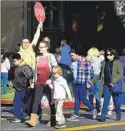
<point x="85" y="123"/>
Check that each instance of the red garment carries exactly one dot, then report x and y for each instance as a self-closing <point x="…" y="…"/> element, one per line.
<point x="43" y="70"/>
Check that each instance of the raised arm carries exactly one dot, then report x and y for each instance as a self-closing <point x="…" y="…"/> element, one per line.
<point x="37" y="34"/>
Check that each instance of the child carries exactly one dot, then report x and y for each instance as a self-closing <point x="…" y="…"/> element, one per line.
<point x="5" y="67"/>
<point x="60" y="87"/>
<point x="23" y="77"/>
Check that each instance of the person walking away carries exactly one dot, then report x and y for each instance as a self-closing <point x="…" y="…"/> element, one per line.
<point x="65" y="50"/>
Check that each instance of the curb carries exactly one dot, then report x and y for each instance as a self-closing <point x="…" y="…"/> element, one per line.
<point x="66" y="104"/>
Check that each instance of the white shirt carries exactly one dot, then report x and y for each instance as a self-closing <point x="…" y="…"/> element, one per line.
<point x="74" y="69"/>
<point x="96" y="64"/>
<point x="5" y="66"/>
<point x="60" y="87"/>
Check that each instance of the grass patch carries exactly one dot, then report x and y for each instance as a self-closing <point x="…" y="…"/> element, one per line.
<point x="9" y="95"/>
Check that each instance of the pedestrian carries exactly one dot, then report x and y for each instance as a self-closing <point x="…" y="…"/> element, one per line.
<point x="111" y="76"/>
<point x="5" y="67"/>
<point x="27" y="49"/>
<point x="65" y="50"/>
<point x="23" y="78"/>
<point x="83" y="74"/>
<point x="122" y="96"/>
<point x="57" y="54"/>
<point x="45" y="61"/>
<point x="93" y="55"/>
<point x="59" y="84"/>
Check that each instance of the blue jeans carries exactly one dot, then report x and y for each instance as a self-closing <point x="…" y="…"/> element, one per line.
<point x="94" y="91"/>
<point x="116" y="100"/>
<point x="80" y="95"/>
<point x="122" y="98"/>
<point x="4" y="79"/>
<point x="18" y="103"/>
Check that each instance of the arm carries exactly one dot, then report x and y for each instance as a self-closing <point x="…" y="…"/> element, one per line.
<point x="52" y="60"/>
<point x="119" y="72"/>
<point x="37" y="34"/>
<point x="65" y="85"/>
<point x="28" y="73"/>
<point x="7" y="64"/>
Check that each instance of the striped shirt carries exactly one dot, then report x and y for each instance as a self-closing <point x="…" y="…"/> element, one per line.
<point x="22" y="75"/>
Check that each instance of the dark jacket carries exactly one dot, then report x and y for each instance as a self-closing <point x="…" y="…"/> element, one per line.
<point x="117" y="73"/>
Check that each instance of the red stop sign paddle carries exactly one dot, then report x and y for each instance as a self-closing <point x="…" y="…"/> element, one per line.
<point x="39" y="12"/>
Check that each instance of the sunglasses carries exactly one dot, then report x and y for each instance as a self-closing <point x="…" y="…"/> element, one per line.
<point x="109" y="54"/>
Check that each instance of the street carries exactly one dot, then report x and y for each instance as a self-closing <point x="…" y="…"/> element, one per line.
<point x="85" y="122"/>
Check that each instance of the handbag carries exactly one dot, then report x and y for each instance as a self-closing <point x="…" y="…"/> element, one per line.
<point x="117" y="88"/>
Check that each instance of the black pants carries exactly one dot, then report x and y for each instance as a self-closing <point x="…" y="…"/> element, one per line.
<point x="39" y="91"/>
<point x="28" y="101"/>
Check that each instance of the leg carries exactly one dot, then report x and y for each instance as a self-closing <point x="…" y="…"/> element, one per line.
<point x="38" y="95"/>
<point x="18" y="103"/>
<point x="107" y="96"/>
<point x="77" y="100"/>
<point x="5" y="78"/>
<point x="91" y="94"/>
<point x="116" y="101"/>
<point x="83" y="96"/>
<point x="59" y="112"/>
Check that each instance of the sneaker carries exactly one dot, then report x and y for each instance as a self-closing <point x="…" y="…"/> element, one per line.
<point x="118" y="118"/>
<point x="109" y="113"/>
<point x="101" y="118"/>
<point x="59" y="126"/>
<point x="122" y="107"/>
<point x="94" y="113"/>
<point x="73" y="118"/>
<point x="15" y="120"/>
<point x="99" y="114"/>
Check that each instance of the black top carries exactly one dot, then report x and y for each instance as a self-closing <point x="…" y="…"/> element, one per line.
<point x="22" y="75"/>
<point x="108" y="68"/>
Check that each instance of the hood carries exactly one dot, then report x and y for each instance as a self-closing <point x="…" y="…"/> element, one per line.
<point x="122" y="58"/>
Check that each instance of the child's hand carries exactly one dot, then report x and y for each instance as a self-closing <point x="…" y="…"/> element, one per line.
<point x="48" y="82"/>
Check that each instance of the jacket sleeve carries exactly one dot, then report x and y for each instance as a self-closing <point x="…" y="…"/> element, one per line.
<point x="28" y="72"/>
<point x="119" y="71"/>
<point x="65" y="85"/>
<point x="53" y="61"/>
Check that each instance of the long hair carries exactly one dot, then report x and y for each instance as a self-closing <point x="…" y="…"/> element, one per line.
<point x="114" y="52"/>
<point x="92" y="52"/>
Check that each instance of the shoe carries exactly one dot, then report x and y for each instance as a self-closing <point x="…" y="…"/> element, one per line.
<point x="33" y="120"/>
<point x="15" y="120"/>
<point x="101" y="118"/>
<point x="99" y="114"/>
<point x="118" y="118"/>
<point x="73" y="118"/>
<point x="122" y="107"/>
<point x="59" y="126"/>
<point x="94" y="114"/>
<point x="109" y="113"/>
